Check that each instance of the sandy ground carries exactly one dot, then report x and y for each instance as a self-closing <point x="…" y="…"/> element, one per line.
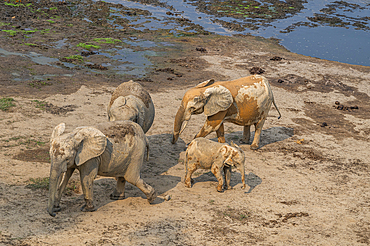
<point x="308" y="184"/>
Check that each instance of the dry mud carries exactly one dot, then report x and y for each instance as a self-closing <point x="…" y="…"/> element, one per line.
<point x="308" y="184"/>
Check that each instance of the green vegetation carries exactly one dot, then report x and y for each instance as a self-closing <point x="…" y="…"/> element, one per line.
<point x="40" y="104"/>
<point x="88" y="46"/>
<point x="51" y="21"/>
<point x="107" y="40"/>
<point x="38" y="183"/>
<point x="53" y="8"/>
<point x="4" y="24"/>
<point x="6" y="103"/>
<point x="29" y="44"/>
<point x="10" y="32"/>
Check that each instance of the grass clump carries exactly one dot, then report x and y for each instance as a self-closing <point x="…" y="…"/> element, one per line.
<point x="107" y="40"/>
<point x="6" y="103"/>
<point x="10" y="32"/>
<point x="38" y="183"/>
<point x="88" y="46"/>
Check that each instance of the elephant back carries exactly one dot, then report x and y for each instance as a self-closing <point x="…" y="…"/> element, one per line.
<point x="132" y="88"/>
<point x="122" y="132"/>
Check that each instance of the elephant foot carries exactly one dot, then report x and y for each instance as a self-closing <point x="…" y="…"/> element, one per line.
<point x="115" y="196"/>
<point x="228" y="187"/>
<point x="56" y="208"/>
<point x="219" y="188"/>
<point x="243" y="141"/>
<point x="152" y="196"/>
<point x="254" y="147"/>
<point x="88" y="208"/>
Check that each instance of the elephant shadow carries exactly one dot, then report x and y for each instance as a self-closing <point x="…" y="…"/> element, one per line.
<point x="268" y="136"/>
<point x="251" y="179"/>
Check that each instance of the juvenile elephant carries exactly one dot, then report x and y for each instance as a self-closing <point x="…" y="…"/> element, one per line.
<point x="245" y="102"/>
<point x="207" y="154"/>
<point x="131" y="102"/>
<point x="112" y="149"/>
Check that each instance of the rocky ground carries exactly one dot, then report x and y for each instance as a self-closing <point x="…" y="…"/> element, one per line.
<point x="307" y="184"/>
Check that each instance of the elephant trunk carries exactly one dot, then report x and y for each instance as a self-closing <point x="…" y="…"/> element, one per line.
<point x="179" y="119"/>
<point x="53" y="187"/>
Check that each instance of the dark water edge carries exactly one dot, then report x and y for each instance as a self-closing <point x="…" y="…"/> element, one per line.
<point x="331" y="30"/>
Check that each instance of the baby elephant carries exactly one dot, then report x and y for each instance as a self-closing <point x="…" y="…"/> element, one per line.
<point x="207" y="154"/>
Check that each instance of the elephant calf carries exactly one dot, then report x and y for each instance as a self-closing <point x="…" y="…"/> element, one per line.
<point x="130" y="101"/>
<point x="207" y="154"/>
<point x="111" y="149"/>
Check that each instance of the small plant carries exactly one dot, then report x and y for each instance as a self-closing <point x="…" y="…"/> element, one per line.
<point x="73" y="58"/>
<point x="4" y="24"/>
<point x="10" y="32"/>
<point x="53" y="8"/>
<point x="29" y="44"/>
<point x="40" y="104"/>
<point x="107" y="40"/>
<point x="211" y="202"/>
<point x="38" y="183"/>
<point x="6" y="103"/>
<point x="88" y="46"/>
<point x="51" y="21"/>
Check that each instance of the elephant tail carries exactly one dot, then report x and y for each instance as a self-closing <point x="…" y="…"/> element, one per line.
<point x="147" y="148"/>
<point x="273" y="101"/>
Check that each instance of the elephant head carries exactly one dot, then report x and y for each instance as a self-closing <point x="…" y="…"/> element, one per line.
<point x="207" y="97"/>
<point x="234" y="156"/>
<point x="66" y="150"/>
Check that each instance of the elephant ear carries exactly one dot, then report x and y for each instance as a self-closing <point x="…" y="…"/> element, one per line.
<point x="92" y="143"/>
<point x="205" y="83"/>
<point x="218" y="99"/>
<point x="228" y="153"/>
<point x="58" y="130"/>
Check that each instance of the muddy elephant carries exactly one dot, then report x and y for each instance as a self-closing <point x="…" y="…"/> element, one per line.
<point x="245" y="102"/>
<point x="207" y="154"/>
<point x="130" y="101"/>
<point x="112" y="149"/>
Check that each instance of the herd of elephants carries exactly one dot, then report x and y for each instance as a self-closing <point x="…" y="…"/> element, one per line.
<point x="117" y="148"/>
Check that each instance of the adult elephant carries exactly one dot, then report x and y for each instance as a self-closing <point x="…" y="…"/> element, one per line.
<point x="130" y="101"/>
<point x="245" y="102"/>
<point x="112" y="149"/>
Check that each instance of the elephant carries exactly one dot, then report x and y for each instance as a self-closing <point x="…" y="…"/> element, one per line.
<point x="111" y="149"/>
<point x="245" y="101"/>
<point x="130" y="101"/>
<point x="207" y="154"/>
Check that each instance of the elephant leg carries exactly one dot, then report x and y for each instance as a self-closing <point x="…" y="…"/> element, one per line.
<point x="257" y="133"/>
<point x="119" y="192"/>
<point x="212" y="124"/>
<point x="149" y="191"/>
<point x="62" y="187"/>
<point x="191" y="167"/>
<point x="88" y="172"/>
<point x="221" y="133"/>
<point x="217" y="172"/>
<point x="246" y="135"/>
<point x="227" y="174"/>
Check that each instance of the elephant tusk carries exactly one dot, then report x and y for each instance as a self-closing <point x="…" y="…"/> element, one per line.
<point x="183" y="127"/>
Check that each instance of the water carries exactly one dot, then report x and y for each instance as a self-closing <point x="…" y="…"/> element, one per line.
<point x="327" y="29"/>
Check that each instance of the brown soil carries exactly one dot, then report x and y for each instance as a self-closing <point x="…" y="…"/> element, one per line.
<point x="307" y="184"/>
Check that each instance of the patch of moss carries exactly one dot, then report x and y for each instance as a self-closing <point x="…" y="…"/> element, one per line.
<point x="6" y="103"/>
<point x="88" y="46"/>
<point x="107" y="40"/>
<point x="10" y="32"/>
<point x="38" y="183"/>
